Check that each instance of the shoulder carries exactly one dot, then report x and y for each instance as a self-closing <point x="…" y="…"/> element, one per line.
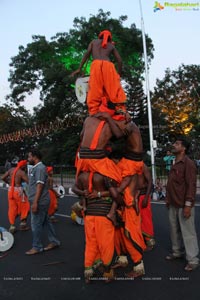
<point x="40" y="167"/>
<point x="189" y="162"/>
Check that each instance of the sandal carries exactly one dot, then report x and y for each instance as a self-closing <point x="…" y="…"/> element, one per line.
<point x="190" y="267"/>
<point x="171" y="256"/>
<point x="51" y="246"/>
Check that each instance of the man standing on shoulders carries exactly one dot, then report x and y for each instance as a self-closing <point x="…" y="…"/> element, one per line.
<point x="104" y="80"/>
<point x="39" y="198"/>
<point x="180" y="198"/>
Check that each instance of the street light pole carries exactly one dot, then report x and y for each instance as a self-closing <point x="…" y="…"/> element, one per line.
<point x="148" y="96"/>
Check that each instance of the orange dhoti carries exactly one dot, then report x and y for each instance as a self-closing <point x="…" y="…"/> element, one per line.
<point x="133" y="238"/>
<point x="120" y="247"/>
<point x="104" y="82"/>
<point x="99" y="236"/>
<point x="146" y="218"/>
<point x="103" y="166"/>
<point x="18" y="204"/>
<point x="53" y="203"/>
<point x="130" y="167"/>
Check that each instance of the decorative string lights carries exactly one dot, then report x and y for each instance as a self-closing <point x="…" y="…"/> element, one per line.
<point x="41" y="130"/>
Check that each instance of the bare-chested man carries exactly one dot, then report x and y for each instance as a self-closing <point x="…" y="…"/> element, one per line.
<point x="18" y="203"/>
<point x="144" y="185"/>
<point x="92" y="158"/>
<point x="132" y="164"/>
<point x="104" y="81"/>
<point x="99" y="231"/>
<point x="95" y="135"/>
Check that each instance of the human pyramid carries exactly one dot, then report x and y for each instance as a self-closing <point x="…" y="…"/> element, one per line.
<point x="107" y="177"/>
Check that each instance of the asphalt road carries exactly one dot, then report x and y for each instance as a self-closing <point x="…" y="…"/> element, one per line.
<point x="29" y="278"/>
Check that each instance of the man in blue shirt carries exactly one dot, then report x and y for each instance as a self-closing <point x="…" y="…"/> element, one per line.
<point x="39" y="199"/>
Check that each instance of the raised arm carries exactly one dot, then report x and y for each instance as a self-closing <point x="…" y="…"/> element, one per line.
<point x="119" y="61"/>
<point x="116" y="131"/>
<point x="84" y="59"/>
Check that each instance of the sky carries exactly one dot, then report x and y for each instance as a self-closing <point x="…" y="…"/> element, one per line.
<point x="175" y="33"/>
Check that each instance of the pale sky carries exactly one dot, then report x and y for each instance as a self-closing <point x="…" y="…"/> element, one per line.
<point x="175" y="34"/>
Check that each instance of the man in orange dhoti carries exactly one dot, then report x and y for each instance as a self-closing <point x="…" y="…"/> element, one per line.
<point x="144" y="185"/>
<point x="104" y="80"/>
<point x="129" y="237"/>
<point x="131" y="164"/>
<point x="53" y="196"/>
<point x="18" y="203"/>
<point x="92" y="155"/>
<point x="99" y="231"/>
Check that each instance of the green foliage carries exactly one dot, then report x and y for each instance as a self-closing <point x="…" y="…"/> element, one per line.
<point x="46" y="66"/>
<point x="178" y="98"/>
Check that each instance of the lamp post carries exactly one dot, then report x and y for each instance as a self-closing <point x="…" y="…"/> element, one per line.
<point x="152" y="142"/>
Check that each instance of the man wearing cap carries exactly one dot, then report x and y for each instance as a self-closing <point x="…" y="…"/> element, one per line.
<point x="18" y="203"/>
<point x="104" y="79"/>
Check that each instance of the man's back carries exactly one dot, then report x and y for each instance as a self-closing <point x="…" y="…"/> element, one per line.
<point x="90" y="126"/>
<point x="20" y="176"/>
<point x="133" y="136"/>
<point x="98" y="52"/>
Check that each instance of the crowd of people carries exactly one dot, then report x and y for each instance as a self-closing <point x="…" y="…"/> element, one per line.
<point x="112" y="181"/>
<point x="34" y="193"/>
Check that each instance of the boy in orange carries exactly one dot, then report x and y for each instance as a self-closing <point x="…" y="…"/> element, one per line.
<point x="104" y="80"/>
<point x="53" y="196"/>
<point x="18" y="203"/>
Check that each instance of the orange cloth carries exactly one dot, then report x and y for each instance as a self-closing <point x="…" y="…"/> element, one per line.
<point x="96" y="136"/>
<point x="146" y="217"/>
<point x="49" y="169"/>
<point x="117" y="112"/>
<point x="105" y="34"/>
<point x="20" y="164"/>
<point x="18" y="204"/>
<point x="104" y="166"/>
<point x="99" y="240"/>
<point x="104" y="82"/>
<point x="130" y="167"/>
<point x="53" y="203"/>
<point x="120" y="247"/>
<point x="133" y="238"/>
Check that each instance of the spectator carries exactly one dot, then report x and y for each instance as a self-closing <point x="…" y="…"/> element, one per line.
<point x="180" y="198"/>
<point x="168" y="159"/>
<point x="159" y="190"/>
<point x="39" y="198"/>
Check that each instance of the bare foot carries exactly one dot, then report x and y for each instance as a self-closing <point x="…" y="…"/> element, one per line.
<point x="133" y="274"/>
<point x="109" y="276"/>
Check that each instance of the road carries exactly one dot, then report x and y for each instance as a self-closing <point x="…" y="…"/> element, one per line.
<point x="28" y="277"/>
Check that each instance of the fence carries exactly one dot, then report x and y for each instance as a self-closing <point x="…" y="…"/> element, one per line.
<point x="65" y="175"/>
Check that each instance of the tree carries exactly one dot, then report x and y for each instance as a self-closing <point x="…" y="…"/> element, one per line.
<point x="46" y="65"/>
<point x="12" y="119"/>
<point x="177" y="96"/>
